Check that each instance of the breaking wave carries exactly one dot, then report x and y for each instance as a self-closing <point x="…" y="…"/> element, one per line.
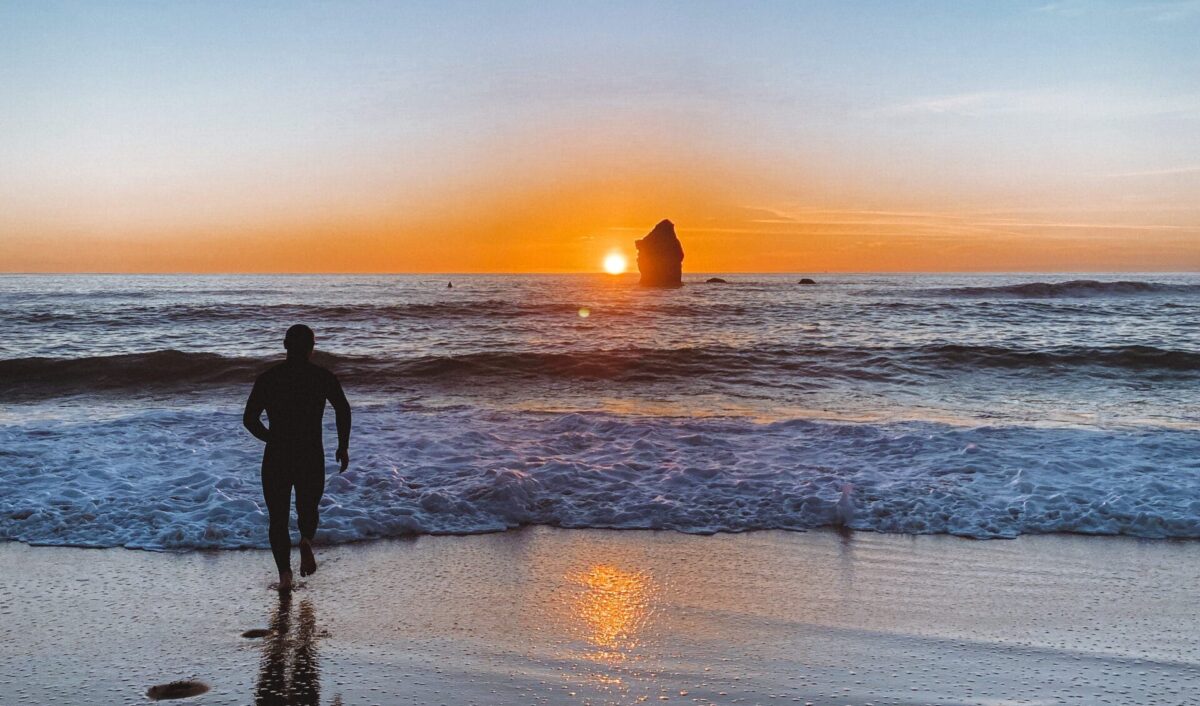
<point x="799" y="365"/>
<point x="466" y="471"/>
<point x="1073" y="288"/>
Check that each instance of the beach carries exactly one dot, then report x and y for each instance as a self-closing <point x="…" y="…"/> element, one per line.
<point x="881" y="489"/>
<point x="608" y="353"/>
<point x="553" y="616"/>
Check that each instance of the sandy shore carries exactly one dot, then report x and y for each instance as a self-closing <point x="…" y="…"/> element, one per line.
<point x="546" y="616"/>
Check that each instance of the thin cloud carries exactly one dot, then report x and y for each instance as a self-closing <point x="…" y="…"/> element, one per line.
<point x="849" y="223"/>
<point x="1195" y="169"/>
<point x="1066" y="9"/>
<point x="1072" y="103"/>
<point x="1171" y="11"/>
<point x="1167" y="11"/>
<point x="1083" y="226"/>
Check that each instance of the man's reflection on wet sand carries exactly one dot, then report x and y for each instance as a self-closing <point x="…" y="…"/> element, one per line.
<point x="290" y="674"/>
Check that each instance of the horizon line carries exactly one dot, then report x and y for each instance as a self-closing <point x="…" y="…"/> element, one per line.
<point x="36" y="273"/>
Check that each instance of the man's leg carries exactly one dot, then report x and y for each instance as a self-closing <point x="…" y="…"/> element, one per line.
<point x="277" y="492"/>
<point x="310" y="485"/>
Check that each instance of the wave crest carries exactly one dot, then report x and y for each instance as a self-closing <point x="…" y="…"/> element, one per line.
<point x="484" y="309"/>
<point x="798" y="367"/>
<point x="1073" y="288"/>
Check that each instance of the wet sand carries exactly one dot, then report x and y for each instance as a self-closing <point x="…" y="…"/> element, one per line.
<point x="547" y="616"/>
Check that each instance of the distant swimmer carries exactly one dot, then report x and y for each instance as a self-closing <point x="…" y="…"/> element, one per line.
<point x="293" y="394"/>
<point x="449" y="285"/>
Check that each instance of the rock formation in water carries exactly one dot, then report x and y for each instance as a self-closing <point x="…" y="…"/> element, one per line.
<point x="716" y="280"/>
<point x="660" y="257"/>
<point x="808" y="280"/>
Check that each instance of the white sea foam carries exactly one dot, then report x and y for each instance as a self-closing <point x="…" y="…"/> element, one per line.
<point x="189" y="478"/>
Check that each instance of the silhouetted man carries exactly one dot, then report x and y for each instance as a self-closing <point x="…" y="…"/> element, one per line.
<point x="293" y="394"/>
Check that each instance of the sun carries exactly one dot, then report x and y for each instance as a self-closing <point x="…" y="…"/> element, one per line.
<point x="615" y="263"/>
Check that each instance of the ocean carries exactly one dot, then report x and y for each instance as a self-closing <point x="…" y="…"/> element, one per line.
<point x="985" y="406"/>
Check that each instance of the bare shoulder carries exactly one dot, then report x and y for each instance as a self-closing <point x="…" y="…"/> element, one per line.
<point x="325" y="375"/>
<point x="270" y="373"/>
<point x="321" y="370"/>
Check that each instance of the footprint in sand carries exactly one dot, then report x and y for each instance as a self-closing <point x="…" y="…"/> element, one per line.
<point x="296" y="586"/>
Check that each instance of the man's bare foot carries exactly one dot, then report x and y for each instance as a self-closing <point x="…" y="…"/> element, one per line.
<point x="308" y="562"/>
<point x="285" y="581"/>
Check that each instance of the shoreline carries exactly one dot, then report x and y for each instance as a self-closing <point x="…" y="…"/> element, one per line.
<point x="849" y="531"/>
<point x="547" y="615"/>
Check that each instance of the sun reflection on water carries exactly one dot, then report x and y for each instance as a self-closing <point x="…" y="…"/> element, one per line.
<point x="612" y="609"/>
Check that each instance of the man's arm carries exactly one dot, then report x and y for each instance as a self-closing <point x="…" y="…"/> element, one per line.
<point x="341" y="408"/>
<point x="252" y="417"/>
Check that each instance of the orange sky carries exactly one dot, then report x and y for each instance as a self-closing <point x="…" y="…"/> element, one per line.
<point x="730" y="219"/>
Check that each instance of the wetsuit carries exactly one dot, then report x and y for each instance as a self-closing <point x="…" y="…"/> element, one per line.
<point x="293" y="394"/>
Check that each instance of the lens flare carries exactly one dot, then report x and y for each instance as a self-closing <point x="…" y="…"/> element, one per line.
<point x="615" y="263"/>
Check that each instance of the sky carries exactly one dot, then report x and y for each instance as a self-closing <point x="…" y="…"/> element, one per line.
<point x="543" y="136"/>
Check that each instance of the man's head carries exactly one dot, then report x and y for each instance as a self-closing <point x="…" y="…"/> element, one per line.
<point x="299" y="341"/>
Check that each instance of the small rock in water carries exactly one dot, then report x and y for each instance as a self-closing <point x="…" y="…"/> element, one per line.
<point x="807" y="280"/>
<point x="256" y="633"/>
<point x="176" y="690"/>
<point x="716" y="280"/>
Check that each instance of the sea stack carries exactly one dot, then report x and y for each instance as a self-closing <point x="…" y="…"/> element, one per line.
<point x="660" y="257"/>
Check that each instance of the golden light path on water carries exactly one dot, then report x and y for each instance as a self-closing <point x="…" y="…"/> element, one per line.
<point x="612" y="608"/>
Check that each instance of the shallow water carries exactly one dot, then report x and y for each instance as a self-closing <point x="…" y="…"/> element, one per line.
<point x="984" y="406"/>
